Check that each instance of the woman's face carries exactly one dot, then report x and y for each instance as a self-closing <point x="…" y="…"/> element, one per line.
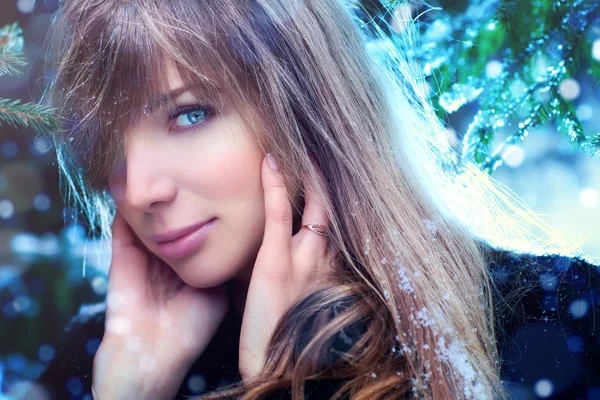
<point x="189" y="169"/>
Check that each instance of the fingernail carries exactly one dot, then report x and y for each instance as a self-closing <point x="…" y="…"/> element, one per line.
<point x="272" y="163"/>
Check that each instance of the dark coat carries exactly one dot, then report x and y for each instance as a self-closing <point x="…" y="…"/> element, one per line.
<point x="547" y="322"/>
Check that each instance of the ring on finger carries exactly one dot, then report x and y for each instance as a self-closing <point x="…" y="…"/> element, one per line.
<point x="319" y="229"/>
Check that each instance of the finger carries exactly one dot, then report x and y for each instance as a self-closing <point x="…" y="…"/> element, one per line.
<point x="122" y="234"/>
<point x="278" y="210"/>
<point x="164" y="280"/>
<point x="128" y="273"/>
<point x="314" y="213"/>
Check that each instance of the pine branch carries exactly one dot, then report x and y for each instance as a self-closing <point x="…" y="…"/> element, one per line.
<point x="521" y="36"/>
<point x="490" y="164"/>
<point x="10" y="30"/>
<point x="594" y="70"/>
<point x="10" y="58"/>
<point x="593" y="145"/>
<point x="567" y="121"/>
<point x="36" y="116"/>
<point x="12" y="36"/>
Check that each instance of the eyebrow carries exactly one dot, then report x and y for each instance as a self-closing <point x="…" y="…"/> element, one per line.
<point x="161" y="100"/>
<point x="172" y="95"/>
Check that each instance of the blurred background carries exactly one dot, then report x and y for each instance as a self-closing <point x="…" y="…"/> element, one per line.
<point x="42" y="244"/>
<point x="516" y="83"/>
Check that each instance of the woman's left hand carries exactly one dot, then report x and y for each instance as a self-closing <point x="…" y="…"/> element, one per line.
<point x="287" y="267"/>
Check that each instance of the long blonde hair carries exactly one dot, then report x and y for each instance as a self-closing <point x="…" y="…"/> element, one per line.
<point x="410" y="267"/>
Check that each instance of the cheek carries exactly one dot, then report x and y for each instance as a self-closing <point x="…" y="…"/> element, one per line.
<point x="239" y="175"/>
<point x="229" y="167"/>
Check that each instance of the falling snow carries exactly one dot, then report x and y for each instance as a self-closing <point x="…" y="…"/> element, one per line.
<point x="562" y="296"/>
<point x="578" y="308"/>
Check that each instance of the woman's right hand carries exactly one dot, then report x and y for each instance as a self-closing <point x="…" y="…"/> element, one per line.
<point x="156" y="325"/>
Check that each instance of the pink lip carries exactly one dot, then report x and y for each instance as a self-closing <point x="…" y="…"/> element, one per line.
<point x="185" y="243"/>
<point x="177" y="233"/>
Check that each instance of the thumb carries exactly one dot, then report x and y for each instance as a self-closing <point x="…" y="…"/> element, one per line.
<point x="128" y="271"/>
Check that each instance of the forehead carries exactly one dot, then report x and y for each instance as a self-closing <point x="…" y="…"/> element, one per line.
<point x="174" y="86"/>
<point x="173" y="78"/>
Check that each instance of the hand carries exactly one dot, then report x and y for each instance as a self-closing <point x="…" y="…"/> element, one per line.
<point x="287" y="267"/>
<point x="155" y="324"/>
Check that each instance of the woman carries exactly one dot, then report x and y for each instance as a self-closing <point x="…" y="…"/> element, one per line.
<point x="344" y="268"/>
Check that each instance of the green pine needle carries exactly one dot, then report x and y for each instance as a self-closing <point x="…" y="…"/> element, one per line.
<point x="39" y="117"/>
<point x="538" y="45"/>
<point x="11" y="30"/>
<point x="10" y="59"/>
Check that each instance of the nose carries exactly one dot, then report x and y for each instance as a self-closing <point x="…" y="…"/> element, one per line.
<point x="148" y="184"/>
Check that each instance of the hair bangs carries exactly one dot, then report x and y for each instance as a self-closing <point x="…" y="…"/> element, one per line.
<point x="114" y="71"/>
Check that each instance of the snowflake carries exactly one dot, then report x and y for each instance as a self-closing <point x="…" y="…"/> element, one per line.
<point x="431" y="227"/>
<point x="424" y="319"/>
<point x="457" y="355"/>
<point x="404" y="281"/>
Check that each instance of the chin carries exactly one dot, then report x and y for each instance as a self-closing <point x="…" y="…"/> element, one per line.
<point x="198" y="276"/>
<point x="205" y="283"/>
<point x="200" y="280"/>
<point x="207" y="269"/>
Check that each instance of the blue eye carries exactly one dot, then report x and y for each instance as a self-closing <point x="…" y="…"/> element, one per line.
<point x="191" y="117"/>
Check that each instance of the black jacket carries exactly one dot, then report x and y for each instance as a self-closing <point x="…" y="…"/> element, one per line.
<point x="547" y="323"/>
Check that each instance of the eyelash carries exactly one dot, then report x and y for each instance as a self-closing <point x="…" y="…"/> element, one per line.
<point x="179" y="111"/>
